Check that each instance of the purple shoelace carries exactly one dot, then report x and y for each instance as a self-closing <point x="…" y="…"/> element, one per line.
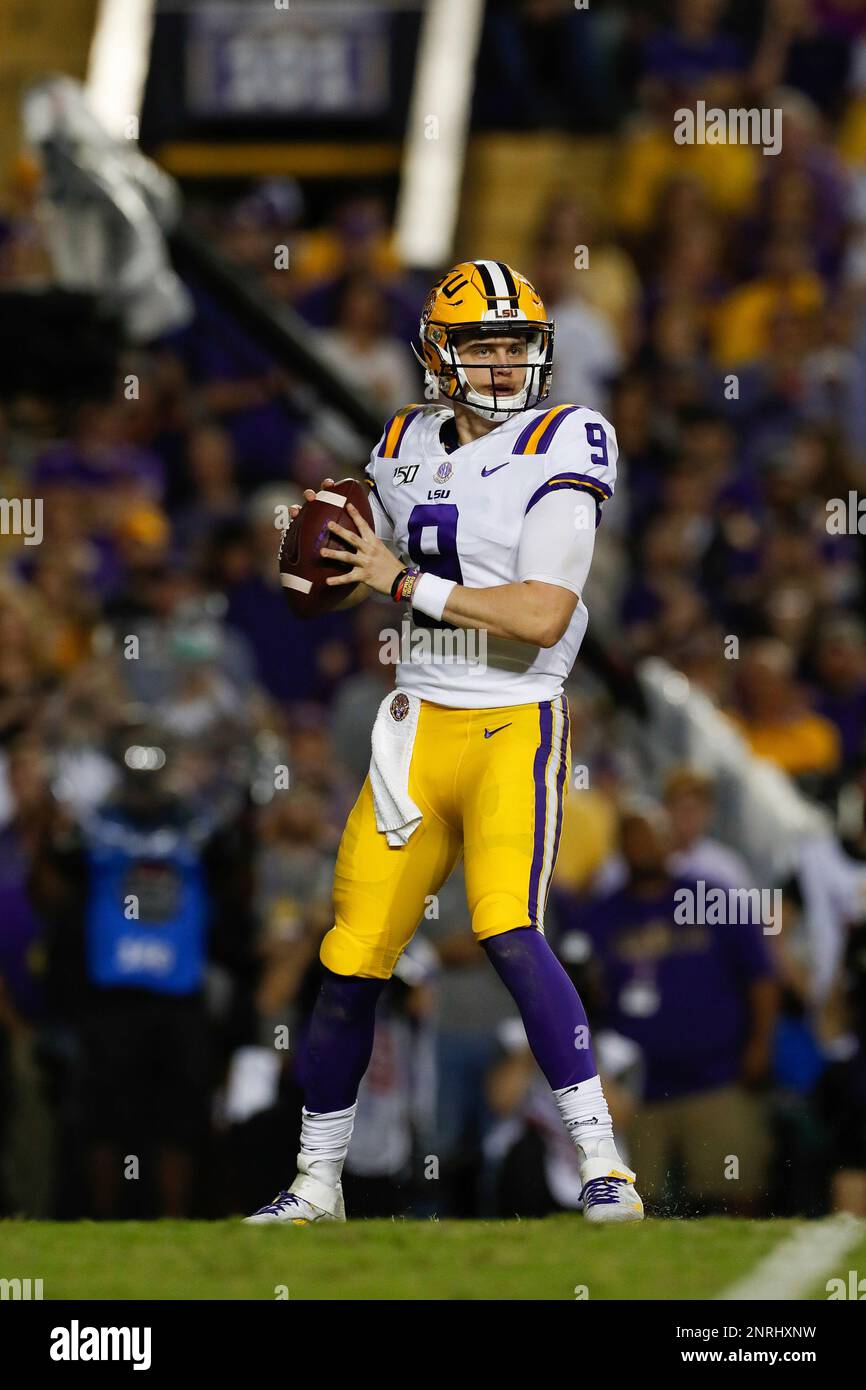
<point x="602" y="1191"/>
<point x="281" y="1200"/>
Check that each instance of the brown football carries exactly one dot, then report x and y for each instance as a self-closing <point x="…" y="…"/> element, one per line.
<point x="303" y="571"/>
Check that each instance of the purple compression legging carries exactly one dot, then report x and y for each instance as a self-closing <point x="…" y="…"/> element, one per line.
<point x="550" y="1007"/>
<point x="340" y="1038"/>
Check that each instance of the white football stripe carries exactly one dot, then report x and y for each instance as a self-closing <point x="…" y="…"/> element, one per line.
<point x="294" y="581"/>
<point x="801" y="1261"/>
<point x="335" y="499"/>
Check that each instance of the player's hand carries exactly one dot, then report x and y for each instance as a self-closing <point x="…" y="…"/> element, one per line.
<point x="309" y="496"/>
<point x="374" y="565"/>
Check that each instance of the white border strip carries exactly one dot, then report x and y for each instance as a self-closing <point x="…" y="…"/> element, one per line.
<point x="437" y="131"/>
<point x="800" y="1262"/>
<point x="118" y="62"/>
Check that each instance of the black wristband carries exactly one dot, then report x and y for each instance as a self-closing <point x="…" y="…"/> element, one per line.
<point x="397" y="579"/>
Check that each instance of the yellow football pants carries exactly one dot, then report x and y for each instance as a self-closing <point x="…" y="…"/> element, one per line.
<point x="490" y="783"/>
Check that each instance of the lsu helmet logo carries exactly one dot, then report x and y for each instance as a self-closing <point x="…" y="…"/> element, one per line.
<point x="485" y="299"/>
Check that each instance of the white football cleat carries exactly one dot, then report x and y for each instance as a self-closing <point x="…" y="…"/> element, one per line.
<point x="609" y="1193"/>
<point x="307" y="1200"/>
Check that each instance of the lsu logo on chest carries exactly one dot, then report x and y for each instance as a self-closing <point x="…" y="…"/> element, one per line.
<point x="408" y="472"/>
<point x="442" y="474"/>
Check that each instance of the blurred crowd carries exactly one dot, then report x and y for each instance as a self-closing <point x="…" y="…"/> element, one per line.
<point x="172" y="740"/>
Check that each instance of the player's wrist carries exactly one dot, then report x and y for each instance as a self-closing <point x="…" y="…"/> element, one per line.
<point x="404" y="583"/>
<point x="426" y="592"/>
<point x="430" y="594"/>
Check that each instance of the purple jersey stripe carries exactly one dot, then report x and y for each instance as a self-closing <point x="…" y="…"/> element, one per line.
<point x="403" y="428"/>
<point x="380" y="452"/>
<point x="577" y="482"/>
<point x="539" y="770"/>
<point x="407" y="420"/>
<point x="590" y="481"/>
<point x="551" y="427"/>
<point x="378" y="496"/>
<point x="525" y="435"/>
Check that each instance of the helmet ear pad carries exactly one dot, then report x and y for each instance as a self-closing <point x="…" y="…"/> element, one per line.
<point x="449" y="382"/>
<point x="437" y="373"/>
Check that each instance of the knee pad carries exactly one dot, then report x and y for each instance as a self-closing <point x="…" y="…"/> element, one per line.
<point x="347" y="954"/>
<point x="495" y="913"/>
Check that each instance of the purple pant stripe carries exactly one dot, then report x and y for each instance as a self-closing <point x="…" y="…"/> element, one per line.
<point x="539" y="769"/>
<point x="560" y="787"/>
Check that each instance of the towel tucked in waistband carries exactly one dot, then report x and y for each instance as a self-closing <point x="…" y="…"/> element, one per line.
<point x="397" y="816"/>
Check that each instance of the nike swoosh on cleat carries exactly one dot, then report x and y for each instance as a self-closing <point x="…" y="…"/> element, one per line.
<point x="488" y="733"/>
<point x="486" y="472"/>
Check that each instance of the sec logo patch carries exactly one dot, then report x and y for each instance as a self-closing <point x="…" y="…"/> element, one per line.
<point x="399" y="707"/>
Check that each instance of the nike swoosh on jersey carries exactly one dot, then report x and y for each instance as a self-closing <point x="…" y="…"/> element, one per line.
<point x="488" y="733"/>
<point x="485" y="472"/>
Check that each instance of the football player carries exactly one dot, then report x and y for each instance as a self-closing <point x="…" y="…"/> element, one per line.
<point x="491" y="501"/>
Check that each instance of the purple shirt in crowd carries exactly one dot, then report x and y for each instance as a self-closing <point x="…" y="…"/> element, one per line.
<point x="20" y="927"/>
<point x="678" y="991"/>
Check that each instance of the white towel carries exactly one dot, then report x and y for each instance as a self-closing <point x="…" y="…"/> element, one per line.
<point x="397" y="816"/>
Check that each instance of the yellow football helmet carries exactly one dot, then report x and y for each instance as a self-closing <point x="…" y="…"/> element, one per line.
<point x="488" y="298"/>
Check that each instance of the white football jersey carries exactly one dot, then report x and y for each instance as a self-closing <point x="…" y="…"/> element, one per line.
<point x="461" y="515"/>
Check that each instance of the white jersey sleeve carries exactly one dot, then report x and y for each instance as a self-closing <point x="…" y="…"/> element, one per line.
<point x="382" y="522"/>
<point x="578" y="476"/>
<point x="557" y="541"/>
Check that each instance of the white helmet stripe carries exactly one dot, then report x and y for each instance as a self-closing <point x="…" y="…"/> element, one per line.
<point x="500" y="284"/>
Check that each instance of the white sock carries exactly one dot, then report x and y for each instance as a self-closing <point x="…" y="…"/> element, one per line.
<point x="584" y="1112"/>
<point x="325" y="1142"/>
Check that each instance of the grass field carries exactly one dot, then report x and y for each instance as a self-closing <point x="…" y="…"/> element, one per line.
<point x="394" y="1259"/>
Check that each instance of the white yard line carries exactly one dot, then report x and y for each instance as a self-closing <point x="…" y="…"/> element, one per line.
<point x="800" y="1261"/>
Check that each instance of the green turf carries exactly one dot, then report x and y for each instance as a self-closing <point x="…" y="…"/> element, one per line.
<point x="391" y="1259"/>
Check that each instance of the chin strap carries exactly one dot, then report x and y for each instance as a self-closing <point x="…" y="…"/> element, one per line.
<point x="491" y="410"/>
